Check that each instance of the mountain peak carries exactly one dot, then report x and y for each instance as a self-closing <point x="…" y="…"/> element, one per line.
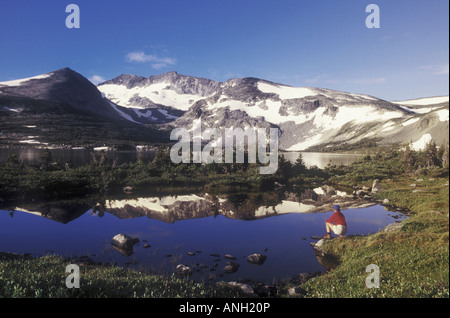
<point x="127" y="80"/>
<point x="64" y="86"/>
<point x="64" y="70"/>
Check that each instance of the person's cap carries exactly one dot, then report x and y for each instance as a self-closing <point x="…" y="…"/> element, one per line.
<point x="337" y="207"/>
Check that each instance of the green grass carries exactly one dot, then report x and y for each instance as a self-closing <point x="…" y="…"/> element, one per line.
<point x="45" y="277"/>
<point x="413" y="261"/>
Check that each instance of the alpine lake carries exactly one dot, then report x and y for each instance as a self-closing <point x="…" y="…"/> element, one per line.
<point x="204" y="231"/>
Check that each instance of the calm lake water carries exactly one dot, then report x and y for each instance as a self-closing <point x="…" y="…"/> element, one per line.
<point x="76" y="157"/>
<point x="174" y="226"/>
<point x="80" y="157"/>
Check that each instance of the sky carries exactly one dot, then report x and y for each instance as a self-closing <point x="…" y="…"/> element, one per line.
<point x="313" y="43"/>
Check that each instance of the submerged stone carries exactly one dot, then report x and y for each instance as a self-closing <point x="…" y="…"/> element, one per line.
<point x="256" y="259"/>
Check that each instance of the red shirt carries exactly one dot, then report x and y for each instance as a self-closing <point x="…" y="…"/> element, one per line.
<point x="337" y="218"/>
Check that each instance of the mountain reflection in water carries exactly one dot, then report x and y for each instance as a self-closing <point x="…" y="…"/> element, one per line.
<point x="197" y="230"/>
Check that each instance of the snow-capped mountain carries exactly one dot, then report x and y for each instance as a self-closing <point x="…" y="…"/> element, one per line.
<point x="64" y="108"/>
<point x="64" y="86"/>
<point x="159" y="98"/>
<point x="169" y="89"/>
<point x="423" y="105"/>
<point x="307" y="117"/>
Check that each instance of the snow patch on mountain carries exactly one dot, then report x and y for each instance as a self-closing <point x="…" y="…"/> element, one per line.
<point x="443" y="114"/>
<point x="158" y="93"/>
<point x="421" y="143"/>
<point x="286" y="92"/>
<point x="411" y="121"/>
<point x="309" y="142"/>
<point x="19" y="82"/>
<point x="424" y="101"/>
<point x="123" y="114"/>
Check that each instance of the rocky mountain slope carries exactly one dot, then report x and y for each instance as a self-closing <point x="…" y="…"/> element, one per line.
<point x="64" y="86"/>
<point x="64" y="108"/>
<point x="307" y="118"/>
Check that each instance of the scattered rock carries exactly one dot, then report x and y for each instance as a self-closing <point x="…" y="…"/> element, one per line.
<point x="256" y="259"/>
<point x="127" y="189"/>
<point x="124" y="241"/>
<point x="146" y="245"/>
<point x="386" y="201"/>
<point x="328" y="190"/>
<point x="393" y="227"/>
<point x="228" y="256"/>
<point x="245" y="288"/>
<point x="295" y="291"/>
<point x="231" y="267"/>
<point x="360" y="193"/>
<point x="319" y="243"/>
<point x="183" y="270"/>
<point x="376" y="186"/>
<point x="190" y="253"/>
<point x="124" y="244"/>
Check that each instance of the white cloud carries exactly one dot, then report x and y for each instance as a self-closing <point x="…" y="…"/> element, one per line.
<point x="155" y="61"/>
<point x="441" y="69"/>
<point x="97" y="79"/>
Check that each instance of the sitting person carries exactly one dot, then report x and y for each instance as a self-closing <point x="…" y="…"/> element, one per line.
<point x="336" y="223"/>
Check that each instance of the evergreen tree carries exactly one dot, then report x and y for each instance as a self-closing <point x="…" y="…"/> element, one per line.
<point x="431" y="154"/>
<point x="408" y="158"/>
<point x="299" y="166"/>
<point x="46" y="158"/>
<point x="284" y="168"/>
<point x="12" y="161"/>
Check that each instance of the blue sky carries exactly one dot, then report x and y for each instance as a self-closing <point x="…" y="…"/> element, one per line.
<point x="320" y="43"/>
